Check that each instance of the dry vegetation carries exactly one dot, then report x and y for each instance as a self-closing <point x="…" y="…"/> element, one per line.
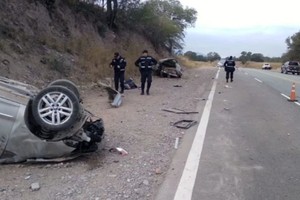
<point x="184" y="61"/>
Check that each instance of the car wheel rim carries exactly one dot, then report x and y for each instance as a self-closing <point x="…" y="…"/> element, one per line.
<point x="55" y="108"/>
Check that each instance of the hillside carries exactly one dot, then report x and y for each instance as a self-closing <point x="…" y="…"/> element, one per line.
<point x="39" y="43"/>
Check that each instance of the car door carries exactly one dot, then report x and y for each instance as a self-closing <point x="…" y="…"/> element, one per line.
<point x="8" y="113"/>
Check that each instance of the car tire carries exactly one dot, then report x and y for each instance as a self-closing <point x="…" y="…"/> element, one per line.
<point x="56" y="108"/>
<point x="68" y="84"/>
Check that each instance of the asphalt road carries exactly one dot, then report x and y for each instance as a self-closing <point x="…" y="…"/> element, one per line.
<point x="251" y="149"/>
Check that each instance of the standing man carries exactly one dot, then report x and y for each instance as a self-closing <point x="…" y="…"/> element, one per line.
<point x="145" y="63"/>
<point x="119" y="64"/>
<point x="229" y="68"/>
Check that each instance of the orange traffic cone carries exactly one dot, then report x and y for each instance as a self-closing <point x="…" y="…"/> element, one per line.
<point x="293" y="93"/>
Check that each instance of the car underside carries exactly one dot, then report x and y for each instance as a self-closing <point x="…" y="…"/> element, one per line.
<point x="45" y="124"/>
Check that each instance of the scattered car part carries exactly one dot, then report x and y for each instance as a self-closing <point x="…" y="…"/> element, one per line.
<point x="178" y="111"/>
<point x="130" y="84"/>
<point x="114" y="96"/>
<point x="120" y="150"/>
<point x="184" y="124"/>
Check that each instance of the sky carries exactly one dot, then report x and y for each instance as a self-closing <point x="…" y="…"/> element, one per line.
<point x="232" y="26"/>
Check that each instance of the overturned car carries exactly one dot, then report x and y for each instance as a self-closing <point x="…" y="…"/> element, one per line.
<point x="168" y="67"/>
<point x="45" y="124"/>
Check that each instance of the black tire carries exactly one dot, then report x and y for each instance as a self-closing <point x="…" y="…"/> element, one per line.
<point x="68" y="84"/>
<point x="69" y="112"/>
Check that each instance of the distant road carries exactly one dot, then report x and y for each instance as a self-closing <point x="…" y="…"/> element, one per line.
<point x="251" y="149"/>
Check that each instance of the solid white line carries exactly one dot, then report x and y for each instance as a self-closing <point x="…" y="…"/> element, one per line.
<point x="188" y="178"/>
<point x="297" y="103"/>
<point x="258" y="80"/>
<point x="285" y="96"/>
<point x="217" y="75"/>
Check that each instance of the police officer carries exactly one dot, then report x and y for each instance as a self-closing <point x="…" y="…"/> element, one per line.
<point x="229" y="68"/>
<point x="119" y="65"/>
<point x="145" y="63"/>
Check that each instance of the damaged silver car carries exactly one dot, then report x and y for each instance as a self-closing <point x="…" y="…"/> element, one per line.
<point x="45" y="124"/>
<point x="168" y="67"/>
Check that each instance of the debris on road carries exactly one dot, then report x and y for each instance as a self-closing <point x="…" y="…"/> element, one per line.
<point x="113" y="95"/>
<point x="35" y="186"/>
<point x="146" y="182"/>
<point x="178" y="111"/>
<point x="158" y="171"/>
<point x="130" y="84"/>
<point x="177" y="85"/>
<point x="184" y="124"/>
<point x="120" y="150"/>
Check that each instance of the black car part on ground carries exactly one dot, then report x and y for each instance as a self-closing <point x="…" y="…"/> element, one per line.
<point x="184" y="124"/>
<point x="94" y="130"/>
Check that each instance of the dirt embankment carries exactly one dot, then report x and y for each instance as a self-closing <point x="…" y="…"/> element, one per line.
<point x="39" y="44"/>
<point x="139" y="126"/>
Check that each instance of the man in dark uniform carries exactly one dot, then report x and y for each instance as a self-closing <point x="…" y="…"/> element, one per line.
<point x="119" y="65"/>
<point x="145" y="63"/>
<point x="229" y="68"/>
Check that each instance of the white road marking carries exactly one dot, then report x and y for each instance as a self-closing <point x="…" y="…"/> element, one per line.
<point x="290" y="98"/>
<point x="285" y="96"/>
<point x="217" y="75"/>
<point x="188" y="178"/>
<point x="258" y="80"/>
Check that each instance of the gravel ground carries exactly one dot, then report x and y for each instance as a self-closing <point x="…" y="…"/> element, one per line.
<point x="139" y="126"/>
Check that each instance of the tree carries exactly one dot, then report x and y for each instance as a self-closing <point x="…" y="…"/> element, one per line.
<point x="213" y="56"/>
<point x="257" y="57"/>
<point x="191" y="55"/>
<point x="112" y="9"/>
<point x="245" y="56"/>
<point x="293" y="44"/>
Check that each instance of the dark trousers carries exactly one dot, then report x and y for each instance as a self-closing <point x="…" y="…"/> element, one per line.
<point x="146" y="75"/>
<point x="119" y="79"/>
<point x="229" y="73"/>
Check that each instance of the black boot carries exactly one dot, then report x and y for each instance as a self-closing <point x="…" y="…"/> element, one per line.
<point x="142" y="93"/>
<point x="147" y="92"/>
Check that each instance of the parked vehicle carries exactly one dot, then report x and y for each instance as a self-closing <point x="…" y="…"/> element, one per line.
<point x="168" y="67"/>
<point x="266" y="66"/>
<point x="291" y="67"/>
<point x="44" y="124"/>
<point x="221" y="62"/>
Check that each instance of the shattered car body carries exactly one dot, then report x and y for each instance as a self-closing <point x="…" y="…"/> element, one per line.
<point x="46" y="124"/>
<point x="168" y="67"/>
